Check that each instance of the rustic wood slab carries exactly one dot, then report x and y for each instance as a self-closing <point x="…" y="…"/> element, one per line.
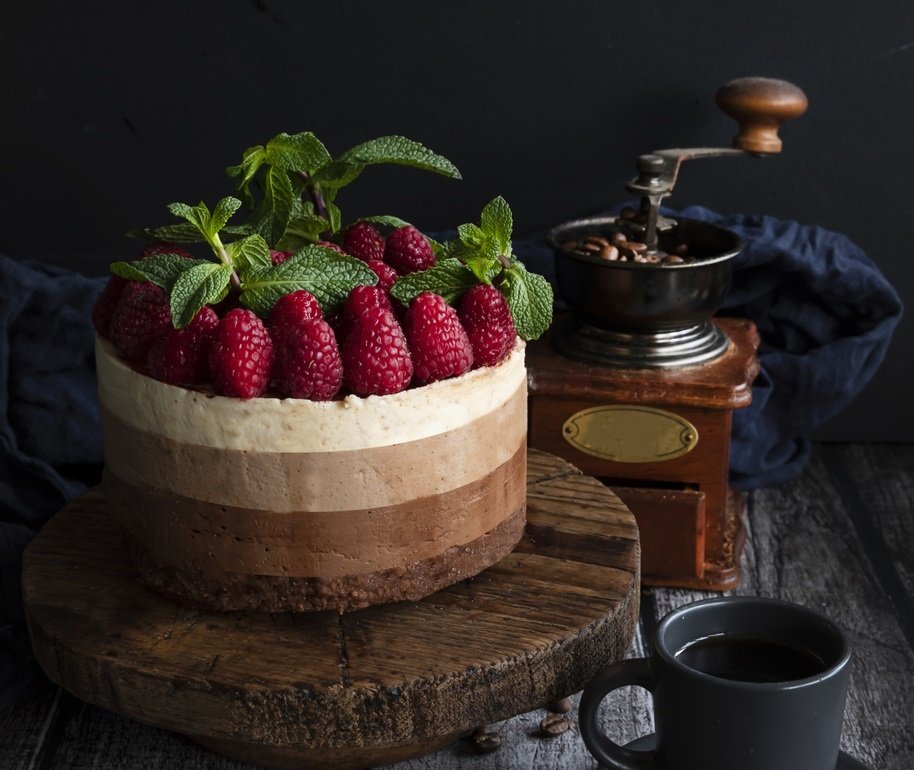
<point x="359" y="690"/>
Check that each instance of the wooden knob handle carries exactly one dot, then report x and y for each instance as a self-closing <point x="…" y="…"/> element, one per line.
<point x="760" y="106"/>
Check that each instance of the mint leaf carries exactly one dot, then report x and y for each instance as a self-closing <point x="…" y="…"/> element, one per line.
<point x="297" y="152"/>
<point x="198" y="216"/>
<point x="498" y="223"/>
<point x="223" y="211"/>
<point x="162" y="269"/>
<point x="336" y="175"/>
<point x="302" y="231"/>
<point x="402" y="151"/>
<point x="249" y="253"/>
<point x="450" y="278"/>
<point x="387" y="220"/>
<point x="183" y="232"/>
<point x="201" y="284"/>
<point x="326" y="273"/>
<point x="529" y="297"/>
<point x="245" y="172"/>
<point x="335" y="217"/>
<point x="276" y="209"/>
<point x="471" y="235"/>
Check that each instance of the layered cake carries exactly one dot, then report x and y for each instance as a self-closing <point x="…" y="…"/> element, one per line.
<point x="329" y="419"/>
<point x="290" y="504"/>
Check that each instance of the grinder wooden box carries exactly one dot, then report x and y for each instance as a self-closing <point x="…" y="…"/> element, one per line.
<point x="690" y="520"/>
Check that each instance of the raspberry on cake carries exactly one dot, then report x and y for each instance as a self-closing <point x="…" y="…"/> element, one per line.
<point x="408" y="251"/>
<point x="241" y="355"/>
<point x="376" y="359"/>
<point x="438" y="343"/>
<point x="362" y="240"/>
<point x="308" y="361"/>
<point x="485" y="315"/>
<point x="141" y="316"/>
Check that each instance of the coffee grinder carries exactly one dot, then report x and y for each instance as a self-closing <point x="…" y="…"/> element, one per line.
<point x="637" y="383"/>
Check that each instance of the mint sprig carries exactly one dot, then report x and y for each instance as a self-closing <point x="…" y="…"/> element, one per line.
<point x="244" y="265"/>
<point x="483" y="254"/>
<point x="300" y="181"/>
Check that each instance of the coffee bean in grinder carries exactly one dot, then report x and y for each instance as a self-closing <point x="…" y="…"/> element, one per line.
<point x="637" y="383"/>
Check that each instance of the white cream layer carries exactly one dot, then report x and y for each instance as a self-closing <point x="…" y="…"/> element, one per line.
<point x="296" y="425"/>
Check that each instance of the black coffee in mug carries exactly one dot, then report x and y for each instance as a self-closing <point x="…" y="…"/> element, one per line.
<point x="750" y="658"/>
<point x="738" y="683"/>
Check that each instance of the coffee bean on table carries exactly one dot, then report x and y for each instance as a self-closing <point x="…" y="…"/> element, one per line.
<point x="486" y="739"/>
<point x="555" y="724"/>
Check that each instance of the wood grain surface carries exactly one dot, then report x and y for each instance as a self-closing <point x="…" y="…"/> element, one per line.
<point x="839" y="538"/>
<point x="357" y="690"/>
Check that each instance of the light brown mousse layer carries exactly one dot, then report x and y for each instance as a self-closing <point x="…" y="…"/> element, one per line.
<point x="225" y="558"/>
<point x="318" y="481"/>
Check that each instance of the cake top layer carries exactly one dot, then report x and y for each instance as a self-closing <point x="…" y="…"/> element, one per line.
<point x="297" y="425"/>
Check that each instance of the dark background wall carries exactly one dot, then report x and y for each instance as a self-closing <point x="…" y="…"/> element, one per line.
<point x="111" y="110"/>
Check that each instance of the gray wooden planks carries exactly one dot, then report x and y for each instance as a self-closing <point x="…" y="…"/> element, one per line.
<point x="840" y="538"/>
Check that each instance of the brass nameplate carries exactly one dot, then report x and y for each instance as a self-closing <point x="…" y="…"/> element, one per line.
<point x="630" y="434"/>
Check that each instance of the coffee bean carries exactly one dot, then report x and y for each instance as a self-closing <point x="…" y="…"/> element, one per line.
<point x="569" y="245"/>
<point x="636" y="246"/>
<point x="618" y="237"/>
<point x="610" y="253"/>
<point x="673" y="259"/>
<point x="625" y="251"/>
<point x="486" y="739"/>
<point x="596" y="240"/>
<point x="555" y="724"/>
<point x="562" y="706"/>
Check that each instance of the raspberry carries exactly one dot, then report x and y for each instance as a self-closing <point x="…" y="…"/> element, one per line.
<point x="363" y="240"/>
<point x="485" y="315"/>
<point x="408" y="251"/>
<point x="181" y="357"/>
<point x="437" y="342"/>
<point x="386" y="274"/>
<point x="375" y="355"/>
<point x="308" y="361"/>
<point x="278" y="257"/>
<point x="360" y="299"/>
<point x="292" y="310"/>
<point x="106" y="304"/>
<point x="161" y="247"/>
<point x="141" y="317"/>
<point x="241" y="356"/>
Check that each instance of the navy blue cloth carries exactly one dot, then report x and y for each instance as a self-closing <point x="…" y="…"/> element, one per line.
<point x="825" y="313"/>
<point x="48" y="426"/>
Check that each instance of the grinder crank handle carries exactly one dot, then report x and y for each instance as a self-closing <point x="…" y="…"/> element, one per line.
<point x="760" y="106"/>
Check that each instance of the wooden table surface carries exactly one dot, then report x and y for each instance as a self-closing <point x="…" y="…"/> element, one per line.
<point x="840" y="539"/>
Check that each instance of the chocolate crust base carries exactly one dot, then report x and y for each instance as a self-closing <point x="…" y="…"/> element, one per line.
<point x="269" y="593"/>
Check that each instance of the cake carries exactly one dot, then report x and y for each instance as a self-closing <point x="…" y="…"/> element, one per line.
<point x="321" y="422"/>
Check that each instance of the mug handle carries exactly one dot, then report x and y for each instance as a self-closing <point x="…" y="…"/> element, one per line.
<point x="631" y="672"/>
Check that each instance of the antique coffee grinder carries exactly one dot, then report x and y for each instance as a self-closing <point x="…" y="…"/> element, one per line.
<point x="637" y="383"/>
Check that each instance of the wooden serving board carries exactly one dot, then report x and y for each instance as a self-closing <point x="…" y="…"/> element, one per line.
<point x="359" y="690"/>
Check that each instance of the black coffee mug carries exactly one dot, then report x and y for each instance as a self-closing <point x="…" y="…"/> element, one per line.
<point x="743" y="683"/>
